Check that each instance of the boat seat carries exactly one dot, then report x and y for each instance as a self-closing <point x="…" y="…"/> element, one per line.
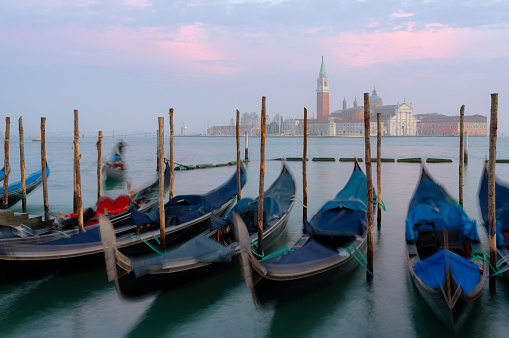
<point x="427" y="243"/>
<point x="454" y="242"/>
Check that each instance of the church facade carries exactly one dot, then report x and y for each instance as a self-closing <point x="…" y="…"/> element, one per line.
<point x="397" y="120"/>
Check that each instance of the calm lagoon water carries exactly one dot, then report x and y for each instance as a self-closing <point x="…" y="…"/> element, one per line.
<point x="84" y="304"/>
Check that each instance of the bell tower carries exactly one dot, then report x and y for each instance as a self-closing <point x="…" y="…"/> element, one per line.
<point x="322" y="93"/>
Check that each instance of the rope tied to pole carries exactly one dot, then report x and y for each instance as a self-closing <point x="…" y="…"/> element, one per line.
<point x="352" y="253"/>
<point x="480" y="254"/>
<point x="157" y="250"/>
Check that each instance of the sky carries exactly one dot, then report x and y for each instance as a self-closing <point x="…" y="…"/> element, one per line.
<point x="123" y="63"/>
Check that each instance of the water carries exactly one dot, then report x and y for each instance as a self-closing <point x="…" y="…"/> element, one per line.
<point x="84" y="304"/>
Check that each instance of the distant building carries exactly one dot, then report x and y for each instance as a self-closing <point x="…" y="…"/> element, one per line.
<point x="183" y="130"/>
<point x="322" y="93"/>
<point x="397" y="119"/>
<point x="442" y="125"/>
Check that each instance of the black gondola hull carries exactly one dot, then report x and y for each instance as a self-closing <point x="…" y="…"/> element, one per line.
<point x="130" y="286"/>
<point x="270" y="289"/>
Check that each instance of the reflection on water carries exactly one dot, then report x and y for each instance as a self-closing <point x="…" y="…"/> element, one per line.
<point x="85" y="304"/>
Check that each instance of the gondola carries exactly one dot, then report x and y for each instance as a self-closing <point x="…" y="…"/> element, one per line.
<point x="63" y="249"/>
<point x="114" y="168"/>
<point x="330" y="247"/>
<point x="502" y="216"/>
<point x="31" y="182"/>
<point x="205" y="254"/>
<point x="118" y="210"/>
<point x="443" y="251"/>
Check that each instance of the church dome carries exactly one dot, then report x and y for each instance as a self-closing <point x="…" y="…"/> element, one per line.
<point x="374" y="99"/>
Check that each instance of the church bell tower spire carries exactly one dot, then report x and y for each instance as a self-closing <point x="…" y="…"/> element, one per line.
<point x="322" y="93"/>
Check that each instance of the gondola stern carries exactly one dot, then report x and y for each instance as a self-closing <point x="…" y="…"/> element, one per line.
<point x="108" y="241"/>
<point x="247" y="258"/>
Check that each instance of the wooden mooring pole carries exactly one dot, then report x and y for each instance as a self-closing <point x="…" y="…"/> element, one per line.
<point x="262" y="177"/>
<point x="379" y="170"/>
<point x="462" y="124"/>
<point x="75" y="195"/>
<point x="304" y="178"/>
<point x="6" y="161"/>
<point x="237" y="133"/>
<point x="246" y="156"/>
<point x="172" y="178"/>
<point x="22" y="165"/>
<point x="99" y="164"/>
<point x="162" y="214"/>
<point x="77" y="173"/>
<point x="43" y="167"/>
<point x="491" y="186"/>
<point x="466" y="147"/>
<point x="369" y="183"/>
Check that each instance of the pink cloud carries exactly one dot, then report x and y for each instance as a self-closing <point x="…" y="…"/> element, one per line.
<point x="137" y="3"/>
<point x="373" y="23"/>
<point x="436" y="42"/>
<point x="194" y="48"/>
<point x="401" y="14"/>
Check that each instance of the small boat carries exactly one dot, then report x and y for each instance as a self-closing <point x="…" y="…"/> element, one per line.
<point x="43" y="253"/>
<point x="114" y="168"/>
<point x="15" y="194"/>
<point x="205" y="254"/>
<point x="37" y="139"/>
<point x="2" y="173"/>
<point x="444" y="252"/>
<point x="332" y="243"/>
<point x="502" y="215"/>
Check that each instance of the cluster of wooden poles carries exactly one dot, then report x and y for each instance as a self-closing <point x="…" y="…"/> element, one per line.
<point x="78" y="206"/>
<point x="367" y="143"/>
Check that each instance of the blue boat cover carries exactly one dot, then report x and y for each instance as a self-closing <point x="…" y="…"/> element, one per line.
<point x="433" y="207"/>
<point x="90" y="236"/>
<point x="277" y="200"/>
<point x="501" y="206"/>
<point x="432" y="271"/>
<point x="184" y="208"/>
<point x="447" y="216"/>
<point x="345" y="215"/>
<point x="309" y="252"/>
<point x="199" y="249"/>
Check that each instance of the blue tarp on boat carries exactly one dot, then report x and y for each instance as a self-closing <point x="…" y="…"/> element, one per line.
<point x="432" y="271"/>
<point x="432" y="207"/>
<point x="277" y="200"/>
<point x="447" y="216"/>
<point x="345" y="215"/>
<point x="184" y="208"/>
<point x="90" y="236"/>
<point x="501" y="206"/>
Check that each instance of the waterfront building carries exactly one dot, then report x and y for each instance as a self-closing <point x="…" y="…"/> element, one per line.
<point x="442" y="125"/>
<point x="397" y="119"/>
<point x="183" y="130"/>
